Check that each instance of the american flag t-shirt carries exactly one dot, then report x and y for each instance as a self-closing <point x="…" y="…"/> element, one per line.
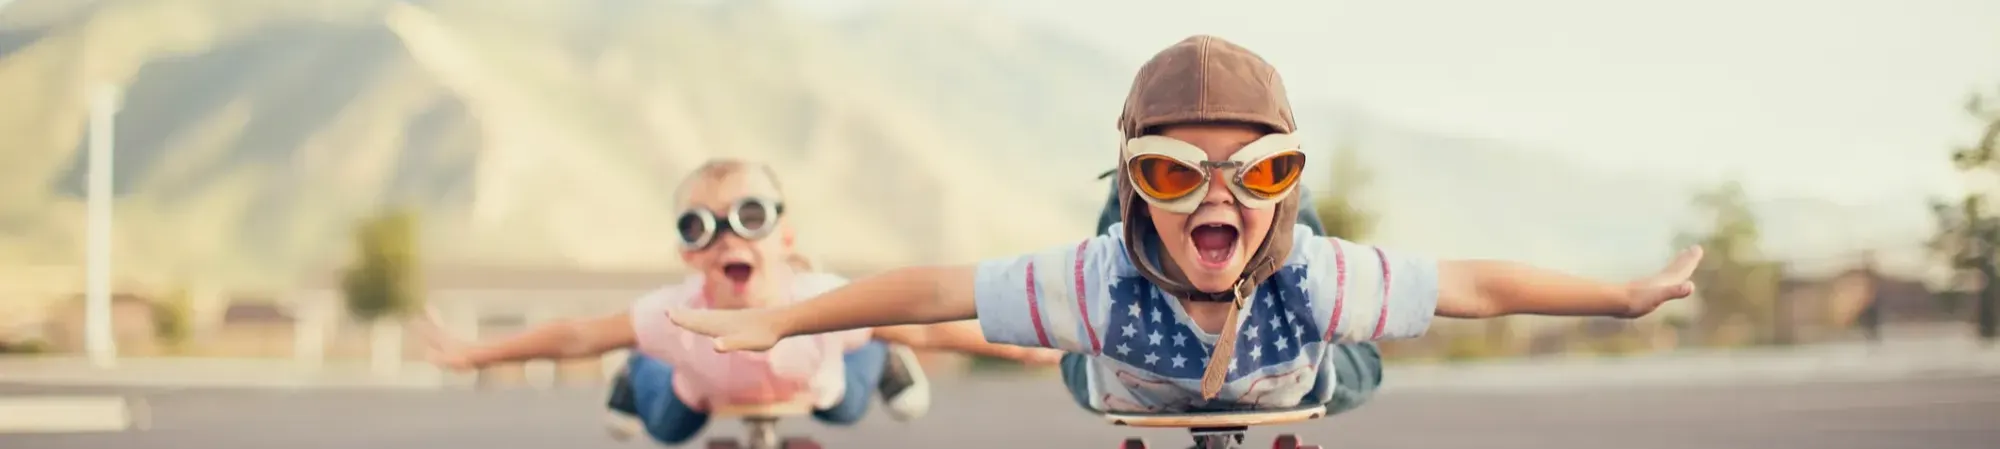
<point x="1278" y="345"/>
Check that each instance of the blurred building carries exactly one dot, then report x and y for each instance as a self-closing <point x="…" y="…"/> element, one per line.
<point x="133" y="324"/>
<point x="1845" y="305"/>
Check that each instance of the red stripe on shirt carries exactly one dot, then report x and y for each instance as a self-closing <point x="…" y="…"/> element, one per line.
<point x="1339" y="290"/>
<point x="1083" y="307"/>
<point x="1034" y="308"/>
<point x="1382" y="318"/>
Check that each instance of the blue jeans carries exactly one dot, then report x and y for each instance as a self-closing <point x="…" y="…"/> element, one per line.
<point x="672" y="422"/>
<point x="1358" y="367"/>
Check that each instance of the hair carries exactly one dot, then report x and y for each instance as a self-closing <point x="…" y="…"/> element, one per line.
<point x="721" y="168"/>
<point x="717" y="169"/>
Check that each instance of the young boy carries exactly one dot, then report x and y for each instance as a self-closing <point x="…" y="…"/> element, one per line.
<point x="1207" y="296"/>
<point x="734" y="235"/>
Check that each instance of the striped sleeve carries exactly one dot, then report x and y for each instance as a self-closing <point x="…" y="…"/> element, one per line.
<point x="1050" y="299"/>
<point x="1366" y="293"/>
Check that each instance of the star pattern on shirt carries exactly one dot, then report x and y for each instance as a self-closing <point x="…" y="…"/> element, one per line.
<point x="1275" y="329"/>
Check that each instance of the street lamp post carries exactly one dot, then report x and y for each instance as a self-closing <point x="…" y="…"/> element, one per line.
<point x="99" y="339"/>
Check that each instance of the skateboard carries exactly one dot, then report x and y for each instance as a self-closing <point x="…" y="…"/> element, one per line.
<point x="1220" y="430"/>
<point x="761" y="423"/>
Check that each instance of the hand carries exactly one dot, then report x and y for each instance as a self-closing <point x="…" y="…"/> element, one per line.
<point x="1669" y="284"/>
<point x="445" y="351"/>
<point x="732" y="329"/>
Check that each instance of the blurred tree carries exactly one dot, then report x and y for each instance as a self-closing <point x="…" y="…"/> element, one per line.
<point x="172" y="319"/>
<point x="1738" y="284"/>
<point x="1466" y="346"/>
<point x="1967" y="231"/>
<point x="1337" y="206"/>
<point x="384" y="281"/>
<point x="24" y="346"/>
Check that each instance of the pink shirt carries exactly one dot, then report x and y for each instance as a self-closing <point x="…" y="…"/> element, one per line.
<point x="804" y="365"/>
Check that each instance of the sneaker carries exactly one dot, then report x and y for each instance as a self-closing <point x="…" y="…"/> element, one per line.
<point x="621" y="418"/>
<point x="905" y="391"/>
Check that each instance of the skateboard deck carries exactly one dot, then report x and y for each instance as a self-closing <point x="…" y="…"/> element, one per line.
<point x="1219" y="430"/>
<point x="1246" y="418"/>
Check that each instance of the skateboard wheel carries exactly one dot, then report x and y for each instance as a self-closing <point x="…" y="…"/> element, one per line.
<point x="724" y="443"/>
<point x="798" y="443"/>
<point x="1133" y="443"/>
<point x="1286" y="441"/>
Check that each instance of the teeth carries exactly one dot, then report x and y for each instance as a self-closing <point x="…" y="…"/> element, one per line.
<point x="1215" y="254"/>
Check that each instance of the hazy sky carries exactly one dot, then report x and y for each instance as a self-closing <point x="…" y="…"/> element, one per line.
<point x="1869" y="91"/>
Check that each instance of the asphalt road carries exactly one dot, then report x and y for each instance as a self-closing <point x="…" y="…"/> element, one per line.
<point x="997" y="413"/>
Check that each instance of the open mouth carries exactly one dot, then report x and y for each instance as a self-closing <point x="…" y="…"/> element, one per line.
<point x="738" y="272"/>
<point x="1214" y="243"/>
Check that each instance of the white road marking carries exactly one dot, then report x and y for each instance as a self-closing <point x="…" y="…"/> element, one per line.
<point x="65" y="414"/>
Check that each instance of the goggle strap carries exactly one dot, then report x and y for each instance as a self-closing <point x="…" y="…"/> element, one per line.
<point x="1224" y="355"/>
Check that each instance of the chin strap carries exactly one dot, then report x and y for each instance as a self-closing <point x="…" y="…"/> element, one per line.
<point x="1224" y="354"/>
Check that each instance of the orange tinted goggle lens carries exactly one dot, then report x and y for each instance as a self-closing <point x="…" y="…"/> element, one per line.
<point x="1271" y="176"/>
<point x="1163" y="177"/>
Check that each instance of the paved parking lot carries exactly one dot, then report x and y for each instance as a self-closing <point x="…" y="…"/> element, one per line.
<point x="1006" y="413"/>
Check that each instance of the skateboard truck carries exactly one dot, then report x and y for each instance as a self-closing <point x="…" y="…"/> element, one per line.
<point x="761" y="424"/>
<point x="1220" y="430"/>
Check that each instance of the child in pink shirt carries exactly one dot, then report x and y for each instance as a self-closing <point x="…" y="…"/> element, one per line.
<point x="811" y="367"/>
<point x="734" y="238"/>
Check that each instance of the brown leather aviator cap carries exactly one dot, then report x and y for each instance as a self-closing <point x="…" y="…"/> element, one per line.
<point x="1204" y="79"/>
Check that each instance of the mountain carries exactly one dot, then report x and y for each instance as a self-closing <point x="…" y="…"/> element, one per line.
<point x="530" y="133"/>
<point x="538" y="133"/>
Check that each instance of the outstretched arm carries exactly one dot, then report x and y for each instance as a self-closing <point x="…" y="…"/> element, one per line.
<point x="1043" y="299"/>
<point x="1369" y="293"/>
<point x="919" y="295"/>
<point x="962" y="336"/>
<point x="562" y="339"/>
<point x="1484" y="289"/>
